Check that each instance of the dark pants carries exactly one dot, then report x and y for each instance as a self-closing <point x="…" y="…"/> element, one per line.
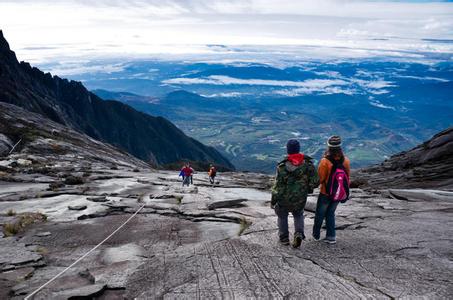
<point x="212" y="179"/>
<point x="282" y="222"/>
<point x="325" y="208"/>
<point x="186" y="181"/>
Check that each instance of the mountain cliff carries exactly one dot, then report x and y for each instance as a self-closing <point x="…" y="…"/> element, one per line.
<point x="429" y="165"/>
<point x="153" y="139"/>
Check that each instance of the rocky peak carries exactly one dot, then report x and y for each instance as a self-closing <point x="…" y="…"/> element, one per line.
<point x="429" y="165"/>
<point x="3" y="42"/>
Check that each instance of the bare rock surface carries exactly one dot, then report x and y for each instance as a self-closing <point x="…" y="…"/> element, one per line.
<point x="391" y="244"/>
<point x="429" y="165"/>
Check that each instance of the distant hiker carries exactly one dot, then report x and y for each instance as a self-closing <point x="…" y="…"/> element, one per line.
<point x="334" y="171"/>
<point x="212" y="174"/>
<point x="181" y="174"/>
<point x="192" y="171"/>
<point x="296" y="178"/>
<point x="187" y="170"/>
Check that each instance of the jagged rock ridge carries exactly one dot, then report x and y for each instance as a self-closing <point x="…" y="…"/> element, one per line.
<point x="429" y="165"/>
<point x="153" y="139"/>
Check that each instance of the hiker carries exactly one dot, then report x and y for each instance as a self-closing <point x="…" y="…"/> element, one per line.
<point x="181" y="174"/>
<point x="187" y="170"/>
<point x="296" y="178"/>
<point x="212" y="173"/>
<point x="191" y="174"/>
<point x="334" y="171"/>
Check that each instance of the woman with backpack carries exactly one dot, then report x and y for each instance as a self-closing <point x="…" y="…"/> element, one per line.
<point x="333" y="171"/>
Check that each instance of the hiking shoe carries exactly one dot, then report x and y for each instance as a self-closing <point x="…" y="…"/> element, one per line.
<point x="330" y="240"/>
<point x="316" y="238"/>
<point x="298" y="237"/>
<point x="284" y="242"/>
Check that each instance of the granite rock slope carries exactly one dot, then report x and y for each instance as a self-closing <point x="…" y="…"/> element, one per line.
<point x="429" y="165"/>
<point x="218" y="241"/>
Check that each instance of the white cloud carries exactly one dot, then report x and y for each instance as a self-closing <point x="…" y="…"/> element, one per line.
<point x="227" y="80"/>
<point x="175" y="27"/>
<point x="226" y="95"/>
<point x="425" y="78"/>
<point x="339" y="85"/>
<point x="378" y="104"/>
<point x="68" y="69"/>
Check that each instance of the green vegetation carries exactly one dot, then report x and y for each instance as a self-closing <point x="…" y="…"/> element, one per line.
<point x="23" y="220"/>
<point x="243" y="225"/>
<point x="10" y="229"/>
<point x="10" y="213"/>
<point x="140" y="198"/>
<point x="42" y="250"/>
<point x="179" y="199"/>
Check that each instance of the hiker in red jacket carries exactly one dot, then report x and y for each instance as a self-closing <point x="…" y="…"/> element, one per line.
<point x="187" y="170"/>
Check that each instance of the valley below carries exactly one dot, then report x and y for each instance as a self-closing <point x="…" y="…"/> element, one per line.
<point x="248" y="111"/>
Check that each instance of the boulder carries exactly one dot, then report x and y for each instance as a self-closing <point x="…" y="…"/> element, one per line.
<point x="225" y="203"/>
<point x="73" y="180"/>
<point x="77" y="207"/>
<point x="97" y="199"/>
<point x="24" y="162"/>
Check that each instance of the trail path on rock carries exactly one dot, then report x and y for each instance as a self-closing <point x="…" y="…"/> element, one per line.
<point x="390" y="245"/>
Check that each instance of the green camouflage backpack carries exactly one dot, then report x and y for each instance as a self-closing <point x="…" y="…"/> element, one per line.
<point x="293" y="184"/>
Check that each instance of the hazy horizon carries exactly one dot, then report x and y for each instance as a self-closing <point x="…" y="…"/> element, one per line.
<point x="42" y="31"/>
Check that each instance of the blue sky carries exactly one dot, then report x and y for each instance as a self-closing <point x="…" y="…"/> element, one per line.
<point x="41" y="30"/>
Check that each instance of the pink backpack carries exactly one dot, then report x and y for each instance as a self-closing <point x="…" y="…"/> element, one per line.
<point x="338" y="183"/>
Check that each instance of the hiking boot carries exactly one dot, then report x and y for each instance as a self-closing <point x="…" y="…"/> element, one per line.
<point x="298" y="237"/>
<point x="316" y="238"/>
<point x="330" y="240"/>
<point x="284" y="242"/>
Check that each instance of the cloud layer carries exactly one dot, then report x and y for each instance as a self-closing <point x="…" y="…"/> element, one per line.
<point x="42" y="29"/>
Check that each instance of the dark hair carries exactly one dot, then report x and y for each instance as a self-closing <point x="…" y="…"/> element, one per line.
<point x="333" y="153"/>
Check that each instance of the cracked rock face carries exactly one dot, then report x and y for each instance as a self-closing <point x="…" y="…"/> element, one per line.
<point x="429" y="165"/>
<point x="184" y="244"/>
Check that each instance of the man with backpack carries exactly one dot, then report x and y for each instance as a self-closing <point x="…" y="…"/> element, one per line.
<point x="212" y="174"/>
<point x="334" y="171"/>
<point x="296" y="178"/>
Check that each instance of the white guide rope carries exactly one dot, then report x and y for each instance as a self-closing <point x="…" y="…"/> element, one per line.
<point x="83" y="256"/>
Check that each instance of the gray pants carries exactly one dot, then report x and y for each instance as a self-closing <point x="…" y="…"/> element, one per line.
<point x="282" y="214"/>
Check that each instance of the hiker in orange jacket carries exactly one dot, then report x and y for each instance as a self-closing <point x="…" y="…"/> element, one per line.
<point x="325" y="208"/>
<point x="212" y="174"/>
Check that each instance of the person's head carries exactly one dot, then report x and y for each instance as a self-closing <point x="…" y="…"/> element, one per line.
<point x="292" y="146"/>
<point x="334" y="150"/>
